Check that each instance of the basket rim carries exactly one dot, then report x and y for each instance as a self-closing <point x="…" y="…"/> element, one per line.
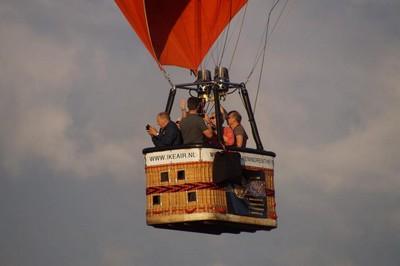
<point x="191" y="146"/>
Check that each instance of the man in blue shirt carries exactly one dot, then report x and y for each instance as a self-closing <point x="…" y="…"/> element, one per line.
<point x="169" y="134"/>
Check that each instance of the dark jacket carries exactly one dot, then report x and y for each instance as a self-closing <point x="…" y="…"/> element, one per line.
<point x="170" y="135"/>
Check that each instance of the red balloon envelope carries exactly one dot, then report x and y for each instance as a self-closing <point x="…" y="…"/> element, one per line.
<point x="179" y="32"/>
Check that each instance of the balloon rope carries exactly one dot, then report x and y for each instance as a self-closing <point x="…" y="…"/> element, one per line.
<point x="238" y="38"/>
<point x="265" y="47"/>
<point x="226" y="36"/>
<point x="166" y="76"/>
<point x="261" y="49"/>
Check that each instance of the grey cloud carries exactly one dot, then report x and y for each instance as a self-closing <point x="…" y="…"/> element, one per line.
<point x="41" y="119"/>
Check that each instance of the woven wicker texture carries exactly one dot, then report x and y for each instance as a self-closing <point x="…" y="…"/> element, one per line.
<point x="186" y="188"/>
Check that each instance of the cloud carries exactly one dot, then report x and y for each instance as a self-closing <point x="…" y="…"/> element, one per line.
<point x="368" y="149"/>
<point x="42" y="134"/>
<point x="38" y="75"/>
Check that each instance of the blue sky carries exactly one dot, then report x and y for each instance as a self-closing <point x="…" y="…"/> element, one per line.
<point x="77" y="88"/>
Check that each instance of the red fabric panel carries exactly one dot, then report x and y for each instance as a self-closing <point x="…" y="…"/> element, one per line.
<point x="180" y="32"/>
<point x="134" y="12"/>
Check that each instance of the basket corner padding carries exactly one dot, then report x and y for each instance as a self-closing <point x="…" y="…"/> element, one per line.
<point x="227" y="167"/>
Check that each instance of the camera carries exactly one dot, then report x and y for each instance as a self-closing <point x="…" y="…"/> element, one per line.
<point x="147" y="127"/>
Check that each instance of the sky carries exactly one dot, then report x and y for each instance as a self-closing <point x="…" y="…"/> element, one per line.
<point x="77" y="88"/>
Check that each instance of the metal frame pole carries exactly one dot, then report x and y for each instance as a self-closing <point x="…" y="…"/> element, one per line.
<point x="170" y="101"/>
<point x="218" y="115"/>
<point x="250" y="114"/>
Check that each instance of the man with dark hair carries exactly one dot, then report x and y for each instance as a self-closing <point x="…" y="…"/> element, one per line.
<point x="169" y="134"/>
<point x="193" y="127"/>
<point x="234" y="118"/>
<point x="193" y="103"/>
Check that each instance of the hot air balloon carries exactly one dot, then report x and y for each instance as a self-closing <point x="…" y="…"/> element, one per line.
<point x="201" y="187"/>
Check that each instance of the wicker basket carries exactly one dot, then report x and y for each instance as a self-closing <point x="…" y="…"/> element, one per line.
<point x="178" y="191"/>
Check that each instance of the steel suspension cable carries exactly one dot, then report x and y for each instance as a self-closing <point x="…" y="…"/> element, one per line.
<point x="261" y="51"/>
<point x="166" y="76"/>
<point x="265" y="48"/>
<point x="257" y="58"/>
<point x="279" y="17"/>
<point x="226" y="36"/>
<point x="238" y="38"/>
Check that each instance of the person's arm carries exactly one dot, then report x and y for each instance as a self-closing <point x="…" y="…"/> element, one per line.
<point x="154" y="136"/>
<point x="206" y="127"/>
<point x="239" y="141"/>
<point x="223" y="112"/>
<point x="156" y="141"/>
<point x="182" y="107"/>
<point x="208" y="132"/>
<point x="167" y="139"/>
<point x="152" y="131"/>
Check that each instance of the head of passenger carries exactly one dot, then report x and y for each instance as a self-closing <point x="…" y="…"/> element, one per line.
<point x="193" y="104"/>
<point x="213" y="119"/>
<point x="163" y="119"/>
<point x="234" y="119"/>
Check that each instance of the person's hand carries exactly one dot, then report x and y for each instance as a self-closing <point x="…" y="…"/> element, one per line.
<point x="207" y="119"/>
<point x="223" y="112"/>
<point x="182" y="104"/>
<point x="152" y="131"/>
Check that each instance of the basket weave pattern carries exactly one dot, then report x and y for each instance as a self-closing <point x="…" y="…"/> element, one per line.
<point x="173" y="192"/>
<point x="207" y="199"/>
